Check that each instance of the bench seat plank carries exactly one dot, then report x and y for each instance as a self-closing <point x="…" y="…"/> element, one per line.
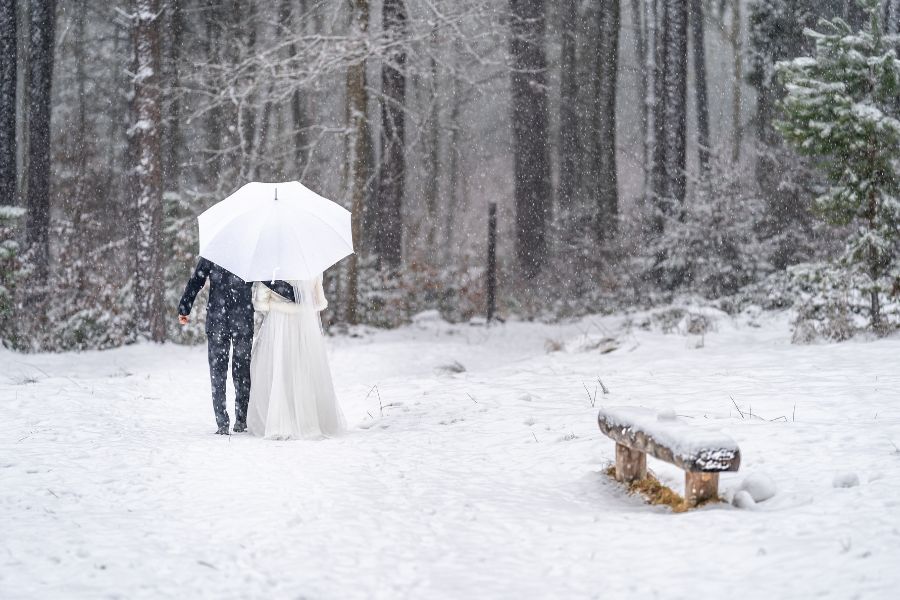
<point x="690" y="447"/>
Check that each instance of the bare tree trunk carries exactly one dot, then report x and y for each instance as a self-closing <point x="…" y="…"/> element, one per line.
<point x="656" y="113"/>
<point x="298" y="109"/>
<point x="641" y="74"/>
<point x="606" y="224"/>
<point x="360" y="151"/>
<point x="530" y="123"/>
<point x="8" y="87"/>
<point x="388" y="210"/>
<point x="433" y="157"/>
<point x="675" y="100"/>
<point x="737" y="50"/>
<point x="454" y="192"/>
<point x="173" y="139"/>
<point x="37" y="223"/>
<point x="855" y="15"/>
<point x="213" y="121"/>
<point x="651" y="109"/>
<point x="699" y="47"/>
<point x="568" y="147"/>
<point x="891" y="16"/>
<point x="148" y="276"/>
<point x="247" y="23"/>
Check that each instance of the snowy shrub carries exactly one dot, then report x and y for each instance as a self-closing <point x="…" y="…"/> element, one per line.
<point x="10" y="216"/>
<point x="827" y="300"/>
<point x="181" y="245"/>
<point x="391" y="299"/>
<point x="831" y="304"/>
<point x="86" y="307"/>
<point x="709" y="245"/>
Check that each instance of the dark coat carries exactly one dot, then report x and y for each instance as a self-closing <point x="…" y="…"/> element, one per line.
<point x="230" y="303"/>
<point x="282" y="288"/>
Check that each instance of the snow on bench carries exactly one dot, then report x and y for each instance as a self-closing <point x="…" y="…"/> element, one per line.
<point x="702" y="452"/>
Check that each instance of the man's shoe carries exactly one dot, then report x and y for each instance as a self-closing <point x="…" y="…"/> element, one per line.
<point x="223" y="430"/>
<point x="240" y="427"/>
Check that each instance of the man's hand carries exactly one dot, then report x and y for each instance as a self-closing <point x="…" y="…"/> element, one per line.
<point x="183" y="319"/>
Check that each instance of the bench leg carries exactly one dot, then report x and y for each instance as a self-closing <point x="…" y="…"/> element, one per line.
<point x="700" y="487"/>
<point x="631" y="465"/>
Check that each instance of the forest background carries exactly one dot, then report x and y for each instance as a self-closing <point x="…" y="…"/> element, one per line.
<point x="633" y="148"/>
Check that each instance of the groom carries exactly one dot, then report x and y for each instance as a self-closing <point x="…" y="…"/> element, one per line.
<point x="229" y="327"/>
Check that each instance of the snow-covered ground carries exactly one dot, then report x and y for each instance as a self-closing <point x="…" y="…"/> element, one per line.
<point x="481" y="484"/>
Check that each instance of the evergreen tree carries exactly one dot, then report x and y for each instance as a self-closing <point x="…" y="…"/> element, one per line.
<point x="842" y="106"/>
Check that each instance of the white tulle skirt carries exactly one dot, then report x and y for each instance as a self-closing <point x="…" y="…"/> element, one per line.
<point x="291" y="391"/>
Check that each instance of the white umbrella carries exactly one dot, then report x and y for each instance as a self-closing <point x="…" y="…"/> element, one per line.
<point x="267" y="231"/>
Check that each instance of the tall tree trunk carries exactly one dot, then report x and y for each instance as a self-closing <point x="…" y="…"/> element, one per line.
<point x="891" y="16"/>
<point x="360" y="152"/>
<point x="388" y="212"/>
<point x="433" y="157"/>
<point x="454" y="193"/>
<point x="606" y="224"/>
<point x="675" y="100"/>
<point x="737" y="53"/>
<point x="530" y="123"/>
<point x="173" y="139"/>
<point x="37" y="223"/>
<point x="8" y="86"/>
<point x="656" y="126"/>
<point x="568" y="146"/>
<point x="641" y="74"/>
<point x="82" y="136"/>
<point x="148" y="276"/>
<point x="699" y="54"/>
<point x="22" y="102"/>
<point x="651" y="111"/>
<point x="213" y="126"/>
<point x="855" y="15"/>
<point x="299" y="120"/>
<point x="246" y="24"/>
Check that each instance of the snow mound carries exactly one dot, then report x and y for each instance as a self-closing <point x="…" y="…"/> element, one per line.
<point x="758" y="486"/>
<point x="743" y="499"/>
<point x="845" y="480"/>
<point x="427" y="317"/>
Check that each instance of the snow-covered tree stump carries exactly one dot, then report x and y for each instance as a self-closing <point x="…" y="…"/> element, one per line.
<point x="701" y="452"/>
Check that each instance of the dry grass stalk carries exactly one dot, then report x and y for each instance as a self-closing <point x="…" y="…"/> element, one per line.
<point x="655" y="493"/>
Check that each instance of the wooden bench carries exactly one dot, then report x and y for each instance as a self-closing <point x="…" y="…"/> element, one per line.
<point x="702" y="452"/>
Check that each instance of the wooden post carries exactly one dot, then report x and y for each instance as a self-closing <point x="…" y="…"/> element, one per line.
<point x="492" y="261"/>
<point x="700" y="487"/>
<point x="631" y="465"/>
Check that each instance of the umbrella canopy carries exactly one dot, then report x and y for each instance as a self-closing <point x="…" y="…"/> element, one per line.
<point x="267" y="231"/>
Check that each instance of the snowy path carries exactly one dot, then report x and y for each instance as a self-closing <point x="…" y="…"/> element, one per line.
<point x="483" y="484"/>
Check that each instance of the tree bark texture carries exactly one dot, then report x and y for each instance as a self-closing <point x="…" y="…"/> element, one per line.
<point x="530" y="125"/>
<point x="149" y="285"/>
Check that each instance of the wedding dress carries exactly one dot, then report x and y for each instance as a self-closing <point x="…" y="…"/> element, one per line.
<point x="291" y="391"/>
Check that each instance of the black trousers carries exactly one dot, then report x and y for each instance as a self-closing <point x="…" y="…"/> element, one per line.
<point x="235" y="338"/>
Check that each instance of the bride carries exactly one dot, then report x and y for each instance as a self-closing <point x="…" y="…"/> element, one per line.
<point x="291" y="392"/>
